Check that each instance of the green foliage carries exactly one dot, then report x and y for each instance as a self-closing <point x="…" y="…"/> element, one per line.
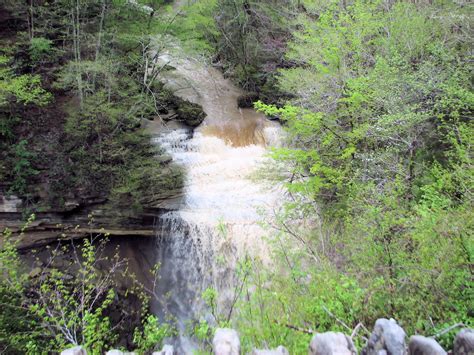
<point x="16" y="93"/>
<point x="63" y="311"/>
<point x="7" y="128"/>
<point x="381" y="181"/>
<point x="40" y="48"/>
<point x="197" y="29"/>
<point x="297" y="303"/>
<point x="152" y="335"/>
<point x="210" y="297"/>
<point x="25" y="89"/>
<point x="249" y="38"/>
<point x="203" y="331"/>
<point x="22" y="169"/>
<point x="69" y="301"/>
<point x="15" y="318"/>
<point x="94" y="58"/>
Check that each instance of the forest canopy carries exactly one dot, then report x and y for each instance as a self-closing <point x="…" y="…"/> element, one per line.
<point x="374" y="96"/>
<point x="377" y="102"/>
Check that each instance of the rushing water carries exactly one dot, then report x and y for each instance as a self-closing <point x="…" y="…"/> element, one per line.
<point x="217" y="222"/>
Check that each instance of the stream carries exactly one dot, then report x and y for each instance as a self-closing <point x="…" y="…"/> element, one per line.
<point x="217" y="222"/>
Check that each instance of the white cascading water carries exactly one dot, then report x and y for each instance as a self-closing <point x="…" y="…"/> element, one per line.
<point x="218" y="221"/>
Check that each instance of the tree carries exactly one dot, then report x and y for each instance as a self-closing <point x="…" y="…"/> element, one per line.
<point x="252" y="38"/>
<point x="377" y="172"/>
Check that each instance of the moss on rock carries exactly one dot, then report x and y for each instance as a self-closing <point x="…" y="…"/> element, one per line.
<point x="190" y="113"/>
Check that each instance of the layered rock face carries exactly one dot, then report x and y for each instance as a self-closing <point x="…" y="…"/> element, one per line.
<point x="82" y="214"/>
<point x="75" y="223"/>
<point x="119" y="218"/>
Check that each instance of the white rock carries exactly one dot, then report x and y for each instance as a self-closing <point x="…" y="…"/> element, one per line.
<point x="420" y="345"/>
<point x="9" y="204"/>
<point x="77" y="350"/>
<point x="387" y="337"/>
<point x="331" y="343"/>
<point x="226" y="342"/>
<point x="167" y="350"/>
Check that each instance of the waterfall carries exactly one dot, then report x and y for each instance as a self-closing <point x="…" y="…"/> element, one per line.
<point x="217" y="223"/>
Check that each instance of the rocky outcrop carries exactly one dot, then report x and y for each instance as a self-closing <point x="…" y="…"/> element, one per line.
<point x="82" y="217"/>
<point x="189" y="113"/>
<point x="9" y="203"/>
<point x="386" y="338"/>
<point x="42" y="233"/>
<point x="127" y="212"/>
<point x="181" y="110"/>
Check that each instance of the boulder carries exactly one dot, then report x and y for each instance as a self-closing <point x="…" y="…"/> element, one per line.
<point x="189" y="113"/>
<point x="420" y="345"/>
<point x="118" y="352"/>
<point x="331" y="343"/>
<point x="464" y="342"/>
<point x="281" y="350"/>
<point x="226" y="342"/>
<point x="247" y="100"/>
<point x="386" y="338"/>
<point x="77" y="350"/>
<point x="167" y="350"/>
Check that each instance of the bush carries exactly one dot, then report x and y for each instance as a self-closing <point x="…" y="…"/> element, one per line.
<point x="40" y="49"/>
<point x="69" y="302"/>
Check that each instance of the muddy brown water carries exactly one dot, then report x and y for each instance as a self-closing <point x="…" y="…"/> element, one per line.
<point x="217" y="224"/>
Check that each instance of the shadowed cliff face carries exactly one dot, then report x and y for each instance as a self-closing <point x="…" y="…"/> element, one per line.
<point x="140" y="255"/>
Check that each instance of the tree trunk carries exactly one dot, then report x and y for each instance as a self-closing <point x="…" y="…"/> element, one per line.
<point x="101" y="27"/>
<point x="75" y="18"/>
<point x="31" y="21"/>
